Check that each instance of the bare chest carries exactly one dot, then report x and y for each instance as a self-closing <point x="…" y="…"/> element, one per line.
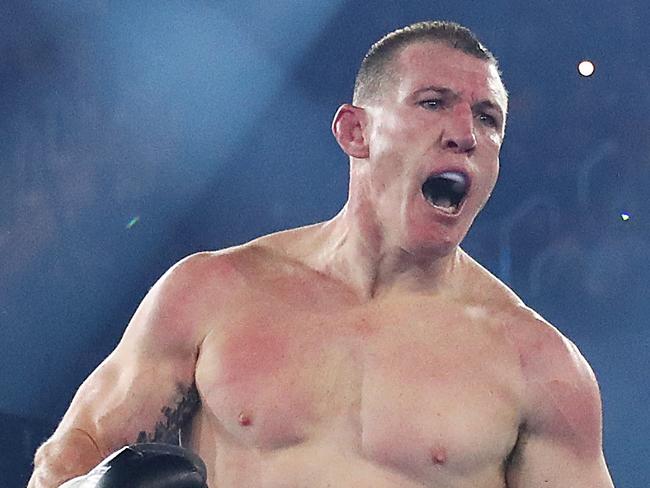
<point x="418" y="390"/>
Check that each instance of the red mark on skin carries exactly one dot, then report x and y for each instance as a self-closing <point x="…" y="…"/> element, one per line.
<point x="364" y="328"/>
<point x="254" y="353"/>
<point x="244" y="420"/>
<point x="438" y="455"/>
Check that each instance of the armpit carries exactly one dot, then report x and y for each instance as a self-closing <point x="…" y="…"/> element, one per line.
<point x="176" y="418"/>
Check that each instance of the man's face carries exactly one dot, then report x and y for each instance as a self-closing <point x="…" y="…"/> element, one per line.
<point x="434" y="138"/>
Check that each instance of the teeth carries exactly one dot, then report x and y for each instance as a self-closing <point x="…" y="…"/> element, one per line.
<point x="452" y="175"/>
<point x="443" y="202"/>
<point x="445" y="190"/>
<point x="458" y="179"/>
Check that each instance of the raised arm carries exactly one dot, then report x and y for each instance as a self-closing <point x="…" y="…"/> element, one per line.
<point x="560" y="444"/>
<point x="143" y="392"/>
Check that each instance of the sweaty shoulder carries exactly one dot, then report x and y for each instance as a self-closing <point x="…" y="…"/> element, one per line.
<point x="207" y="280"/>
<point x="562" y="399"/>
<point x="185" y="302"/>
<point x="561" y="391"/>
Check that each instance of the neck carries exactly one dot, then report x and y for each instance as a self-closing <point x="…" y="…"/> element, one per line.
<point x="354" y="250"/>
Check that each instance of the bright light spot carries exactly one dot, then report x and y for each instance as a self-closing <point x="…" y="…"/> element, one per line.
<point x="586" y="68"/>
<point x="625" y="217"/>
<point x="133" y="221"/>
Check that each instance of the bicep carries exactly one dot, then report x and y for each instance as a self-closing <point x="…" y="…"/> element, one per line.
<point x="539" y="461"/>
<point x="560" y="443"/>
<point x="123" y="402"/>
<point x="144" y="391"/>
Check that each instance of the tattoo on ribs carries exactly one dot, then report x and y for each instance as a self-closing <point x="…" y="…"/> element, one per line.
<point x="176" y="418"/>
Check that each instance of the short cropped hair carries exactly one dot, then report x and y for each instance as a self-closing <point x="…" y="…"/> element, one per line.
<point x="375" y="70"/>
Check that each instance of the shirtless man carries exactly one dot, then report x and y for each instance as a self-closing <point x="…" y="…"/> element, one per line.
<point x="368" y="351"/>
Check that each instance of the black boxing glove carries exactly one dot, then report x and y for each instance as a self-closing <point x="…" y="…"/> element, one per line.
<point x="145" y="466"/>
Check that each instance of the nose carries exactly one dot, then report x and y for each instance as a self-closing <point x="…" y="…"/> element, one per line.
<point x="458" y="133"/>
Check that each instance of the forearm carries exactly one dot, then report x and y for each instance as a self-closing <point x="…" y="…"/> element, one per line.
<point x="63" y="457"/>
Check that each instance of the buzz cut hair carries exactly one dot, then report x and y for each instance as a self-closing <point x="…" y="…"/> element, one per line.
<point x="376" y="69"/>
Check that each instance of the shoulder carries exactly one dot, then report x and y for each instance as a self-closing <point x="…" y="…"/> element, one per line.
<point x="552" y="366"/>
<point x="185" y="284"/>
<point x="545" y="353"/>
<point x="482" y="288"/>
<point x="535" y="339"/>
<point x="213" y="279"/>
<point x="214" y="273"/>
<point x="562" y="397"/>
<point x="187" y="300"/>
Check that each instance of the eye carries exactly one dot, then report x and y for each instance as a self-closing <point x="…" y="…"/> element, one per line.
<point x="487" y="119"/>
<point x="432" y="104"/>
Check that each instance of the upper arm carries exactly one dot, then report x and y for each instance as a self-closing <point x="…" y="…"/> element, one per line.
<point x="144" y="390"/>
<point x="561" y="440"/>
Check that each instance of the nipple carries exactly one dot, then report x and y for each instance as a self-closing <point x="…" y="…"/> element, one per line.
<point x="438" y="456"/>
<point x="244" y="419"/>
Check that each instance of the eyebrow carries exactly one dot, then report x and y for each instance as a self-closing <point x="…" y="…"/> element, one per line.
<point x="439" y="89"/>
<point x="483" y="104"/>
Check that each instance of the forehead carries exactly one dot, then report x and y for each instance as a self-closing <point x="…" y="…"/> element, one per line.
<point x="425" y="64"/>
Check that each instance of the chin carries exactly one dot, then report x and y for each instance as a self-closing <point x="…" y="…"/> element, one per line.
<point x="430" y="231"/>
<point x="434" y="246"/>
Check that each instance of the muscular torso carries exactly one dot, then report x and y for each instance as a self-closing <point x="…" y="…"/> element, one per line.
<point x="303" y="386"/>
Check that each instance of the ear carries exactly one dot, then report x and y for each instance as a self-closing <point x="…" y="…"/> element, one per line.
<point x="349" y="129"/>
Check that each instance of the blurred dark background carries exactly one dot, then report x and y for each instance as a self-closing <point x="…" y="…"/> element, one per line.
<point x="133" y="133"/>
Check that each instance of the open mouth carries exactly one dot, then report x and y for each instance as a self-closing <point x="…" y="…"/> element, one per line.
<point x="446" y="191"/>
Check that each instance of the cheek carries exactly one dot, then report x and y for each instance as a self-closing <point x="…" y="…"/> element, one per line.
<point x="491" y="157"/>
<point x="395" y="133"/>
<point x="495" y="171"/>
<point x="496" y="140"/>
<point x="489" y="172"/>
<point x="493" y="176"/>
<point x="387" y="145"/>
<point x="389" y="161"/>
